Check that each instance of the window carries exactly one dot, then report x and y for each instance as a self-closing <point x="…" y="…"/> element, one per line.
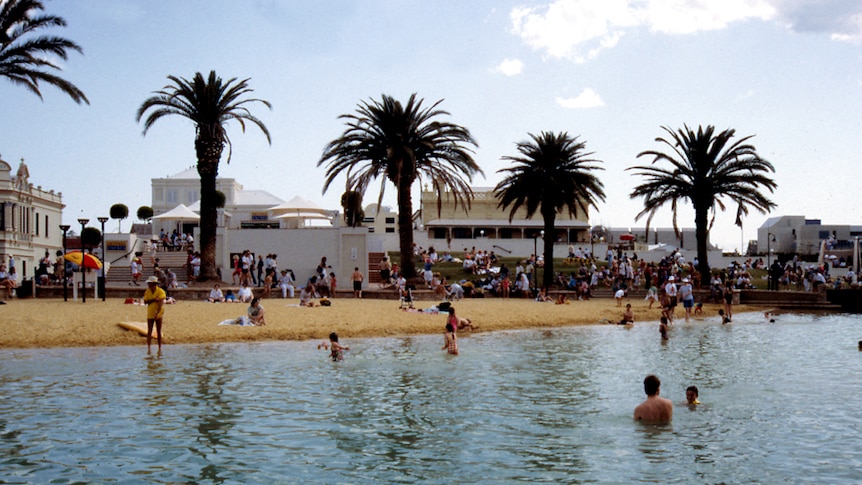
<point x="390" y="229"/>
<point x="370" y="228"/>
<point x="37" y="223"/>
<point x="191" y="197"/>
<point x="46" y="225"/>
<point x="390" y="220"/>
<point x="171" y="196"/>
<point x="259" y="216"/>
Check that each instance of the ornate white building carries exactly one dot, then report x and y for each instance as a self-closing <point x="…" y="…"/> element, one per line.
<point x="30" y="219"/>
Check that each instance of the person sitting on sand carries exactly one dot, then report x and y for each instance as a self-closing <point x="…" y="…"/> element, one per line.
<point x="229" y="297"/>
<point x="542" y="296"/>
<point x="628" y="316"/>
<point x="216" y="295"/>
<point x="655" y="410"/>
<point x="256" y="313"/>
<point x="305" y="296"/>
<point x="244" y="293"/>
<point x="562" y="300"/>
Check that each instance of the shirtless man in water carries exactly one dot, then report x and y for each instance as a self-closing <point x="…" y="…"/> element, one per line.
<point x="655" y="410"/>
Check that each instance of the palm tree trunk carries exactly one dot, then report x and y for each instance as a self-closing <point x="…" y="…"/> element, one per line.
<point x="702" y="236"/>
<point x="209" y="154"/>
<point x="405" y="227"/>
<point x="548" y="250"/>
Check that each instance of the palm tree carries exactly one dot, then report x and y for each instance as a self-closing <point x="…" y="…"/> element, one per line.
<point x="210" y="104"/>
<point x="552" y="174"/>
<point x="23" y="59"/>
<point x="402" y="144"/>
<point x="704" y="168"/>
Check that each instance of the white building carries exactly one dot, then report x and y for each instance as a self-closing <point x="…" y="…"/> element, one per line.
<point x="29" y="220"/>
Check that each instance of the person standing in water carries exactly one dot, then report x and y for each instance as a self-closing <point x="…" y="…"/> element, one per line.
<point x="154" y="298"/>
<point x="655" y="410"/>
<point x="451" y="343"/>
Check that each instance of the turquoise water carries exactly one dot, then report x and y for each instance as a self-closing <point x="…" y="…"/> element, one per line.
<point x="780" y="405"/>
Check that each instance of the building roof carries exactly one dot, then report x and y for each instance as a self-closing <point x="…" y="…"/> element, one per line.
<point x="189" y="173"/>
<point x="256" y="198"/>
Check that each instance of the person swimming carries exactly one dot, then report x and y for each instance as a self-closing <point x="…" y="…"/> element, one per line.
<point x="691" y="395"/>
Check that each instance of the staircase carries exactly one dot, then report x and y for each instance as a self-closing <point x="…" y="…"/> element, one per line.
<point x="120" y="274"/>
<point x="374" y="260"/>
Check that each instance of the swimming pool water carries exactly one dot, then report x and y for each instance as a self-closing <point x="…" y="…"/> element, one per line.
<point x="780" y="405"/>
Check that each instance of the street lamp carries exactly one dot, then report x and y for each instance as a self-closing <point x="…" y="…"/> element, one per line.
<point x="536" y="258"/>
<point x="65" y="228"/>
<point x="102" y="282"/>
<point x="83" y="222"/>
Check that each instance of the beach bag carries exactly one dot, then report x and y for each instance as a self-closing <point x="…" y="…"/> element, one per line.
<point x="325" y="302"/>
<point x="444" y="306"/>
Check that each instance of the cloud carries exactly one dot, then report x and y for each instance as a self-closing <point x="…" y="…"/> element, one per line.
<point x="566" y="26"/>
<point x="587" y="99"/>
<point x="510" y="67"/>
<point x="840" y="19"/>
<point x="581" y="29"/>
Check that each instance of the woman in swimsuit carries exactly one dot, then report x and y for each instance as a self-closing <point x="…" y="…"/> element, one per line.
<point x="451" y="344"/>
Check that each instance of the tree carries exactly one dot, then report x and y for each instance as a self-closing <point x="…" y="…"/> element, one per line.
<point x="402" y="144"/>
<point x="23" y="57"/>
<point x="704" y="167"/>
<point x="119" y="212"/>
<point x="351" y="202"/>
<point x="553" y="173"/>
<point x="145" y="213"/>
<point x="91" y="237"/>
<point x="209" y="103"/>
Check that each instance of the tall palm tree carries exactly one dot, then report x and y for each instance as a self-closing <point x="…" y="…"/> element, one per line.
<point x="210" y="104"/>
<point x="23" y="58"/>
<point x="704" y="168"/>
<point x="553" y="173"/>
<point x="402" y="144"/>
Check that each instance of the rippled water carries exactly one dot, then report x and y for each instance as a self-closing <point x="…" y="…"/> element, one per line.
<point x="781" y="404"/>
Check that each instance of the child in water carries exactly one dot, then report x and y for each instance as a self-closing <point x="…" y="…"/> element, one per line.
<point x="451" y="344"/>
<point x="336" y="350"/>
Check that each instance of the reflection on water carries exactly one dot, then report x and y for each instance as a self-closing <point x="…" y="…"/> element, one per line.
<point x="533" y="406"/>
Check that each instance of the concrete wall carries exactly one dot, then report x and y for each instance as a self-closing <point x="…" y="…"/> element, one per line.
<point x="300" y="249"/>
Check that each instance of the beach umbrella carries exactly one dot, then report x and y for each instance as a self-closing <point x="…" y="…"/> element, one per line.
<point x="85" y="260"/>
<point x="627" y="237"/>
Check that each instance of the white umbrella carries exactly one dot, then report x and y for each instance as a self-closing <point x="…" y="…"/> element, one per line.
<point x="179" y="213"/>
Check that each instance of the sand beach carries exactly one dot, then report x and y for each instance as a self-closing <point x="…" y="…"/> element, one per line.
<point x="35" y="323"/>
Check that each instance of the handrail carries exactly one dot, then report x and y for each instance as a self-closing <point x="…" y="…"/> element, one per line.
<point x="127" y="254"/>
<point x="502" y="249"/>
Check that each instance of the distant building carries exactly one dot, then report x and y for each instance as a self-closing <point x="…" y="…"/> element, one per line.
<point x="29" y="220"/>
<point x="243" y="208"/>
<point x="380" y="219"/>
<point x="484" y="219"/>
<point x="798" y="235"/>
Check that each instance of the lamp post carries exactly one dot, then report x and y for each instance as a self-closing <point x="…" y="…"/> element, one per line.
<point x="83" y="222"/>
<point x="536" y="257"/>
<point x="102" y="282"/>
<point x="65" y="228"/>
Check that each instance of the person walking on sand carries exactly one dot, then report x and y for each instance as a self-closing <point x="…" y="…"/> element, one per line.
<point x="451" y="343"/>
<point x="655" y="410"/>
<point x="356" y="278"/>
<point x="154" y="298"/>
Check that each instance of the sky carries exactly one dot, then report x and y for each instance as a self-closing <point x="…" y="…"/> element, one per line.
<point x="612" y="72"/>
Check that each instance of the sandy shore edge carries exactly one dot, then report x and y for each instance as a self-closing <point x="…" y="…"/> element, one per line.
<point x="34" y="323"/>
